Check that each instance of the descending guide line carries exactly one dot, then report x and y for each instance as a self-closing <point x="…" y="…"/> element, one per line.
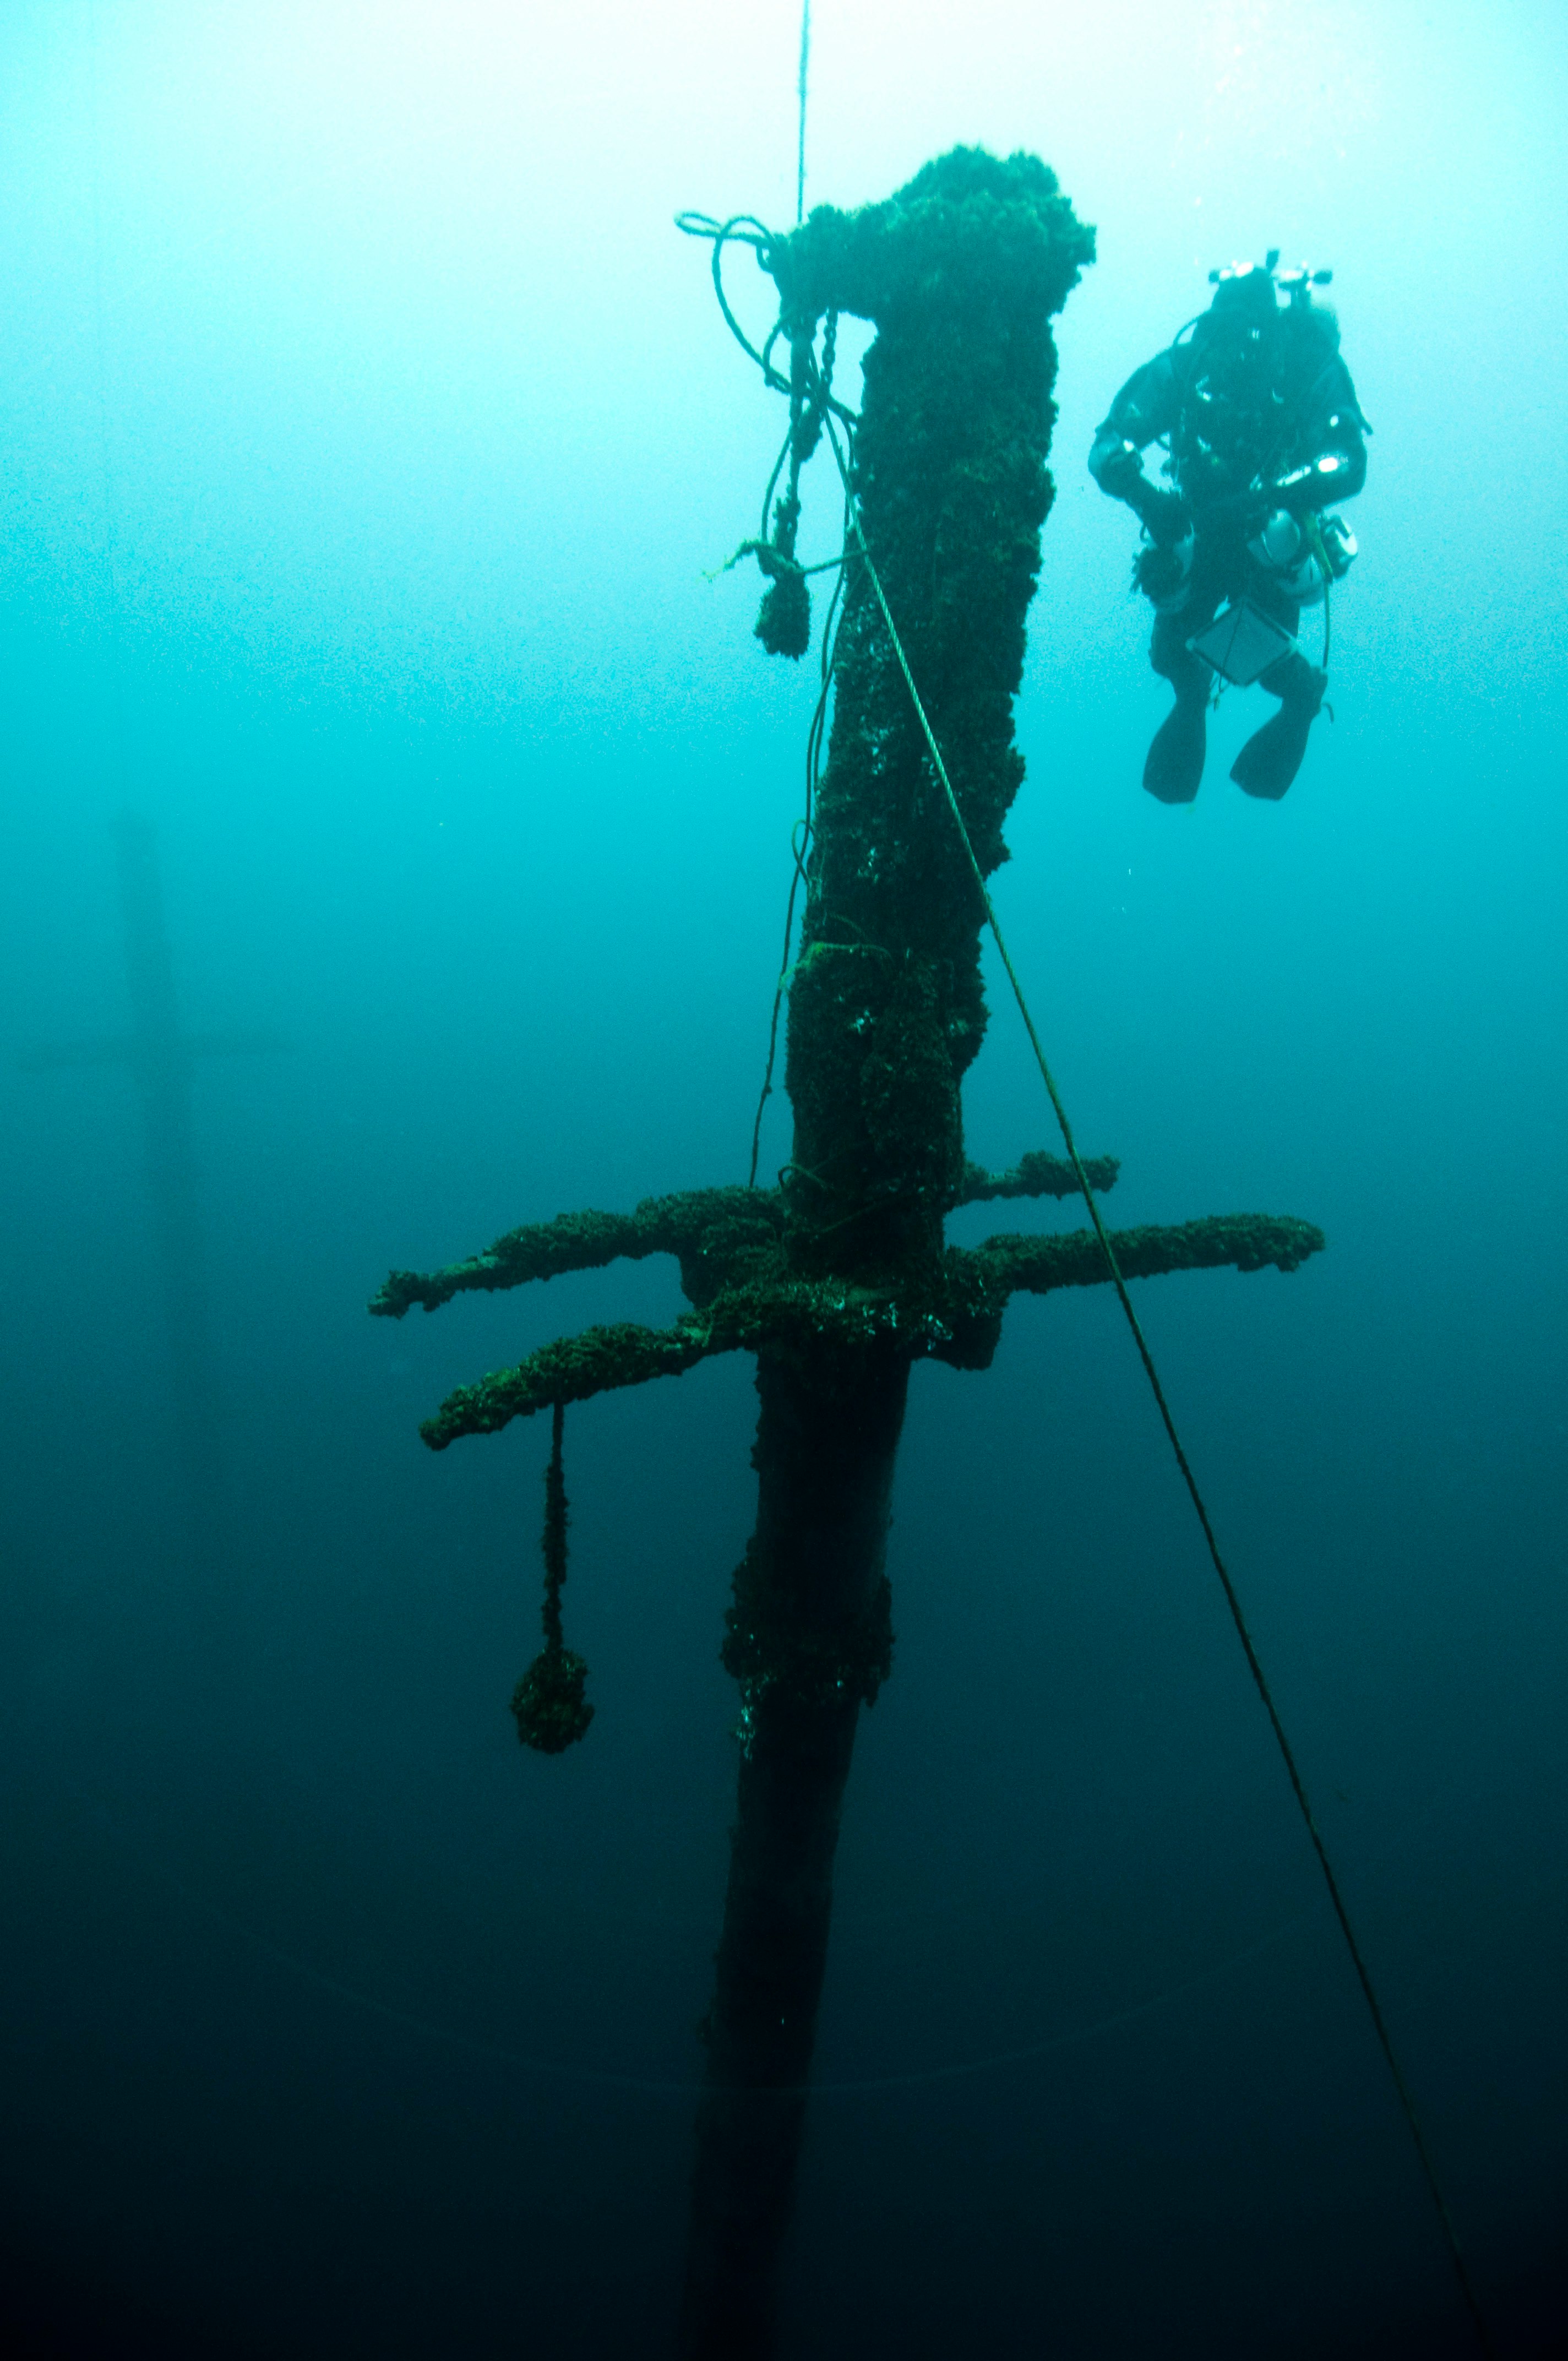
<point x="1233" y="1601"/>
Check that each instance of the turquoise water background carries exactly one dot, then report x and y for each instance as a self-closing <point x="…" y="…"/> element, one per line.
<point x="367" y="436"/>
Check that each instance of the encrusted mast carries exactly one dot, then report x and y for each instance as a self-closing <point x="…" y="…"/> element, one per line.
<point x="841" y="1280"/>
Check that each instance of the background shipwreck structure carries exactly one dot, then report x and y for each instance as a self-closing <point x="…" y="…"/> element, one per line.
<point x="161" y="1056"/>
<point x="839" y="1279"/>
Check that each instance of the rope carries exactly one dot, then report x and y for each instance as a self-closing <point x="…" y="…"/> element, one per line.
<point x="800" y="840"/>
<point x="118" y="731"/>
<point x="554" y="1543"/>
<point x="800" y="91"/>
<point x="803" y="431"/>
<point x="740" y="229"/>
<point x="1231" y="1600"/>
<point x="745" y="229"/>
<point x="551" y="1710"/>
<point x="1321" y="556"/>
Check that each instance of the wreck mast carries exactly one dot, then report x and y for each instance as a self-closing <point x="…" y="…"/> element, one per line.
<point x="960" y="274"/>
<point x="839" y="1279"/>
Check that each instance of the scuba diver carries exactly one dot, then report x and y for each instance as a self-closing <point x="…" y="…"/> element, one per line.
<point x="1259" y="418"/>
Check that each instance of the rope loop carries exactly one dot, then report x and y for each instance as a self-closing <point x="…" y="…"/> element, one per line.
<point x="740" y="229"/>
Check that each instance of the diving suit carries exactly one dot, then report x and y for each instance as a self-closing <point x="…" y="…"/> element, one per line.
<point x="1260" y="417"/>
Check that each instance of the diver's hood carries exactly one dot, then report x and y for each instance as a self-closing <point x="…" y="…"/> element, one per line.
<point x="1244" y="299"/>
<point x="1249" y="297"/>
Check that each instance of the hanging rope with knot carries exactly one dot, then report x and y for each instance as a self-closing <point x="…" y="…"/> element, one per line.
<point x="551" y="1712"/>
<point x="784" y="624"/>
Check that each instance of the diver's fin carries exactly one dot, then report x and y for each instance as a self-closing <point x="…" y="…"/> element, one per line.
<point x="1272" y="755"/>
<point x="1174" y="764"/>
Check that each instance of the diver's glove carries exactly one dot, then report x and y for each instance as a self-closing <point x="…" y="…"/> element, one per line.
<point x="1115" y="463"/>
<point x="1162" y="570"/>
<point x="1117" y="466"/>
<point x="1163" y="515"/>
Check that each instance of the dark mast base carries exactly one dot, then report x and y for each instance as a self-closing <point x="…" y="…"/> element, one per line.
<point x="810" y="1636"/>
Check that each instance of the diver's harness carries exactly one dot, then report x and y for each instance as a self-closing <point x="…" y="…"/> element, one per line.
<point x="1300" y="553"/>
<point x="1302" y="556"/>
<point x="1298" y="547"/>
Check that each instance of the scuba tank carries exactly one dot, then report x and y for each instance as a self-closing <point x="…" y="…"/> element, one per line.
<point x="1302" y="556"/>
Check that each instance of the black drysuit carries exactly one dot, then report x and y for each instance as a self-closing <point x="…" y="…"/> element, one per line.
<point x="1259" y="414"/>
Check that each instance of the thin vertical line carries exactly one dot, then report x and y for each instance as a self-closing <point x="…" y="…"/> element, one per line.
<point x="117" y="731"/>
<point x="1379" y="2025"/>
<point x="800" y="93"/>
